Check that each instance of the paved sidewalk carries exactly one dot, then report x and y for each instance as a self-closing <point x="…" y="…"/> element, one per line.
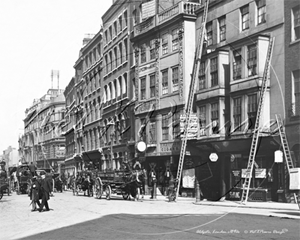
<point x="225" y="203"/>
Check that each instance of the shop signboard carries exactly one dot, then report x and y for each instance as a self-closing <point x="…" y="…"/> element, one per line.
<point x="259" y="173"/>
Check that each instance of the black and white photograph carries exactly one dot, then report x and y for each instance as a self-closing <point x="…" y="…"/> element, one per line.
<point x="149" y="119"/>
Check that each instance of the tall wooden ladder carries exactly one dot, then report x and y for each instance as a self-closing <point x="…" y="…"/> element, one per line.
<point x="286" y="149"/>
<point x="189" y="103"/>
<point x="255" y="137"/>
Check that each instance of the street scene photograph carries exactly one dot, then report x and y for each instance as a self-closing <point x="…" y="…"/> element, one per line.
<point x="150" y="119"/>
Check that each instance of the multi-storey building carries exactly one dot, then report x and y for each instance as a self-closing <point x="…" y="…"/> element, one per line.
<point x="68" y="128"/>
<point x="164" y="42"/>
<point x="292" y="76"/>
<point x="42" y="143"/>
<point x="92" y="72"/>
<point x="227" y="91"/>
<point x="117" y="133"/>
<point x="87" y="103"/>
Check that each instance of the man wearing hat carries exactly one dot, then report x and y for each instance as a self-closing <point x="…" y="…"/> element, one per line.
<point x="35" y="193"/>
<point x="46" y="191"/>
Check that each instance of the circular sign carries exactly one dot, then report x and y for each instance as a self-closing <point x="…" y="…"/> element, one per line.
<point x="213" y="157"/>
<point x="141" y="146"/>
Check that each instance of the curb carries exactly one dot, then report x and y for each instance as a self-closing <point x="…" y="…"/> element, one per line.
<point x="244" y="206"/>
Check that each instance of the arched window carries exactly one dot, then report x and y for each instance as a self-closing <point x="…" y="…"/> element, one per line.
<point x="119" y="86"/>
<point x="124" y="84"/>
<point x="108" y="93"/>
<point x="121" y="52"/>
<point x="104" y="98"/>
<point x="112" y="90"/>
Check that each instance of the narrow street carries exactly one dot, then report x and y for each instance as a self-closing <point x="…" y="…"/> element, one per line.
<point x="81" y="217"/>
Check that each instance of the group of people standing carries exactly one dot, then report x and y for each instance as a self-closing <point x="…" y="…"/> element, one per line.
<point x="40" y="189"/>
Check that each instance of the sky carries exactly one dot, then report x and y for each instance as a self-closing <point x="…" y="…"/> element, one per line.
<point x="36" y="37"/>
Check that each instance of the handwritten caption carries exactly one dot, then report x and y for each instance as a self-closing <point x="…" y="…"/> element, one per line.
<point x="235" y="231"/>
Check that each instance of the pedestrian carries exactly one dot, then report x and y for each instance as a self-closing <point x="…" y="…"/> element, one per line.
<point x="153" y="182"/>
<point x="35" y="192"/>
<point x="46" y="192"/>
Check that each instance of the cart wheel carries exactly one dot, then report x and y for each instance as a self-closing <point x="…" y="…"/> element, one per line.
<point x="98" y="188"/>
<point x="125" y="195"/>
<point x="108" y="192"/>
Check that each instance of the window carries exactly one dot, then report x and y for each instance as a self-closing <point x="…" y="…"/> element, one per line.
<point x="215" y="118"/>
<point x="176" y="125"/>
<point x="245" y="17"/>
<point x="296" y="93"/>
<point x="175" y="40"/>
<point x="143" y="88"/>
<point x="237" y="113"/>
<point x="143" y="53"/>
<point x="110" y="33"/>
<point x="252" y="110"/>
<point x="125" y="49"/>
<point x="165" y="82"/>
<point x="214" y="71"/>
<point x="209" y="33"/>
<point x="152" y="85"/>
<point x="121" y="53"/>
<point x="175" y="78"/>
<point x="252" y="60"/>
<point x="110" y="61"/>
<point x="115" y="29"/>
<point x="152" y="49"/>
<point x="165" y="44"/>
<point x="105" y="37"/>
<point x="152" y="132"/>
<point x="202" y="76"/>
<point x="120" y="23"/>
<point x="202" y="120"/>
<point x="142" y="130"/>
<point x="125" y="18"/>
<point x="116" y="57"/>
<point x="261" y="11"/>
<point x="237" y="64"/>
<point x="295" y="23"/>
<point x="165" y="127"/>
<point x="222" y="28"/>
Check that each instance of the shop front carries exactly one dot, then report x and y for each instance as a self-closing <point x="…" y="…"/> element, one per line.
<point x="221" y="169"/>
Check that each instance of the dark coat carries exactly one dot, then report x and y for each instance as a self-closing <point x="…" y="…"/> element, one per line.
<point x="35" y="190"/>
<point x="46" y="188"/>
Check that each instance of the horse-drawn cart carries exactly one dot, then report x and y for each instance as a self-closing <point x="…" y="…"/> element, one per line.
<point x="120" y="182"/>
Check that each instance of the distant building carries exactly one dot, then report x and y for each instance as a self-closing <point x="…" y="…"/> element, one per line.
<point x="42" y="143"/>
<point x="11" y="157"/>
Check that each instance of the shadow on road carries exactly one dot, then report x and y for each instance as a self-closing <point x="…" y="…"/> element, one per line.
<point x="172" y="226"/>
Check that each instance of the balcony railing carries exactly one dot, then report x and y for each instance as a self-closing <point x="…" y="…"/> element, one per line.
<point x="144" y="26"/>
<point x="187" y="8"/>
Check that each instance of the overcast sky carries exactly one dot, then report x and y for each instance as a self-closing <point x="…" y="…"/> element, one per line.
<point x="37" y="36"/>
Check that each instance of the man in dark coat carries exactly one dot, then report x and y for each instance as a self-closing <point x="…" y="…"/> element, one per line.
<point x="35" y="189"/>
<point x="46" y="191"/>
